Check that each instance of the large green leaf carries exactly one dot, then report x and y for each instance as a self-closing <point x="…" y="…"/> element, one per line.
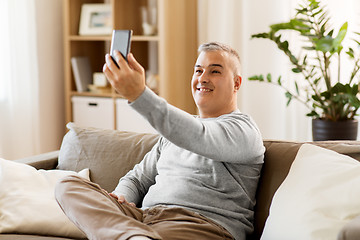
<point x="324" y="44"/>
<point x="338" y="88"/>
<point x="339" y="38"/>
<point x="260" y="35"/>
<point x="257" y="78"/>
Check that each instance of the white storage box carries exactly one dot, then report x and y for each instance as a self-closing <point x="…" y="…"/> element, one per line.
<point x="127" y="119"/>
<point x="93" y="112"/>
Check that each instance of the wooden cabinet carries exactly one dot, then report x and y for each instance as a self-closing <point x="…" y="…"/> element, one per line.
<point x="170" y="53"/>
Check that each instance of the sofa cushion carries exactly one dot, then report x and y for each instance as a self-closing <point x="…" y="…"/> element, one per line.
<point x="279" y="156"/>
<point x="109" y="154"/>
<point x="30" y="237"/>
<point x="27" y="201"/>
<point x="316" y="198"/>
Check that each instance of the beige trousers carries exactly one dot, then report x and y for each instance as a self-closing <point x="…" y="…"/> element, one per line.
<point x="102" y="217"/>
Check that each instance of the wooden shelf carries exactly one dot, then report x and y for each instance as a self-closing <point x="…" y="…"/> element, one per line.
<point x="89" y="38"/>
<point x="145" y="38"/>
<point x="108" y="38"/>
<point x="170" y="54"/>
<point x="91" y="94"/>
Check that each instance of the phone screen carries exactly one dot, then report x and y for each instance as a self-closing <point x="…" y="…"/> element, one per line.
<point x="121" y="41"/>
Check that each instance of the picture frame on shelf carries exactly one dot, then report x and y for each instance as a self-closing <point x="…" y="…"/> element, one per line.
<point x="95" y="19"/>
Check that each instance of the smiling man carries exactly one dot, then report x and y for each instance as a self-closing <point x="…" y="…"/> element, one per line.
<point x="198" y="182"/>
<point x="216" y="80"/>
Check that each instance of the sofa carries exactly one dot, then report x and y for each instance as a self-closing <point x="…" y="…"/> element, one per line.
<point x="109" y="154"/>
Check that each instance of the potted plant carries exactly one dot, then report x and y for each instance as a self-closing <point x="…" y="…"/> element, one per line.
<point x="332" y="102"/>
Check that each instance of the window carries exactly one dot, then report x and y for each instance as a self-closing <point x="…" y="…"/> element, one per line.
<point x="5" y="51"/>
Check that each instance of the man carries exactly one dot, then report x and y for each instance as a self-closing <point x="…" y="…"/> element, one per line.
<point x="198" y="182"/>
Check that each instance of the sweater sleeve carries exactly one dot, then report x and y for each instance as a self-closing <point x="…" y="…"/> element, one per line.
<point x="136" y="183"/>
<point x="231" y="138"/>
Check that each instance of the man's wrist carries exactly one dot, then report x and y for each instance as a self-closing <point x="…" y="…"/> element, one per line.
<point x="136" y="96"/>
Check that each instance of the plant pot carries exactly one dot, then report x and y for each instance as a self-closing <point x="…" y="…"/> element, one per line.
<point x="323" y="130"/>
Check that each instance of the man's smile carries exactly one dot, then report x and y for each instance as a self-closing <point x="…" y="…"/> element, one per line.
<point x="204" y="89"/>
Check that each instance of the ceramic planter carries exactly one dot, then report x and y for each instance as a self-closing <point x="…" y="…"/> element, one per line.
<point x="323" y="130"/>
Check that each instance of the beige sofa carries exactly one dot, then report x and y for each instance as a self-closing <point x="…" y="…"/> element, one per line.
<point x="110" y="154"/>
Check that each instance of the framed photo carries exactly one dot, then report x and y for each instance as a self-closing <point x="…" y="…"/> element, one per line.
<point x="95" y="19"/>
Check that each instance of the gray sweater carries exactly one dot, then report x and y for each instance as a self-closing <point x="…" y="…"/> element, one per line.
<point x="210" y="166"/>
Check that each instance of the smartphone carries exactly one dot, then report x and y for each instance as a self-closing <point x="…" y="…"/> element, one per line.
<point x="121" y="41"/>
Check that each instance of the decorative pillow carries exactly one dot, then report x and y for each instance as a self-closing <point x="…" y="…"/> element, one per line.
<point x="27" y="201"/>
<point x="317" y="198"/>
<point x="351" y="230"/>
<point x="109" y="154"/>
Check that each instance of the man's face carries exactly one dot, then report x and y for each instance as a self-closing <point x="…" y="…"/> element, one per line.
<point x="214" y="84"/>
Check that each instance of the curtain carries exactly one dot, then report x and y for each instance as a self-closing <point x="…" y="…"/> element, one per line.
<point x="233" y="22"/>
<point x="19" y="91"/>
<point x="31" y="81"/>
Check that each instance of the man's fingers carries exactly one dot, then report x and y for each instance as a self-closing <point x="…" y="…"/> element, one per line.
<point x="129" y="81"/>
<point x="121" y="199"/>
<point x="113" y="195"/>
<point x="110" y="63"/>
<point x="121" y="60"/>
<point x="107" y="72"/>
<point x="134" y="64"/>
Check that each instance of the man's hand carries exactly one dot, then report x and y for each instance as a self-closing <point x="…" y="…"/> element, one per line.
<point x="121" y="199"/>
<point x="128" y="79"/>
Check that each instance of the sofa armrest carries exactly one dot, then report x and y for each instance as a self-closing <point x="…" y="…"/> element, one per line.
<point x="46" y="161"/>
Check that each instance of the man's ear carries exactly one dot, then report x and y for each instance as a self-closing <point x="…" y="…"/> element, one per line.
<point x="237" y="82"/>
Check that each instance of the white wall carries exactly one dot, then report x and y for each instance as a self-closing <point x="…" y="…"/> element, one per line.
<point x="267" y="103"/>
<point x="49" y="19"/>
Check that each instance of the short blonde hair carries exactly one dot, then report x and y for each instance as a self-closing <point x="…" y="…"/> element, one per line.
<point x="217" y="46"/>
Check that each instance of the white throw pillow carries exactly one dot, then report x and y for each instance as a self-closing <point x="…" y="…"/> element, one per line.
<point x="27" y="201"/>
<point x="318" y="197"/>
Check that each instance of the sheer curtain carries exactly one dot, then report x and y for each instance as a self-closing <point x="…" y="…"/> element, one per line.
<point x="233" y="22"/>
<point x="18" y="68"/>
<point x="31" y="80"/>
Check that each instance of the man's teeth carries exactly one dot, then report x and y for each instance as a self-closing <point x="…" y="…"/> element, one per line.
<point x="204" y="90"/>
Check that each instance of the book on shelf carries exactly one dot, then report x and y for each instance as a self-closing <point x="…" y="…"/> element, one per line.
<point x="82" y="72"/>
